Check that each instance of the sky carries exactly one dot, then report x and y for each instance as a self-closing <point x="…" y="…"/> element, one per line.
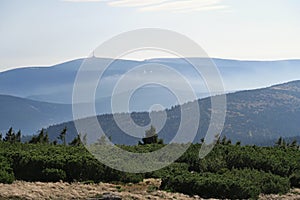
<point x="41" y="33"/>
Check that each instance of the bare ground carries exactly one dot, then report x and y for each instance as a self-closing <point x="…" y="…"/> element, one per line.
<point x="60" y="190"/>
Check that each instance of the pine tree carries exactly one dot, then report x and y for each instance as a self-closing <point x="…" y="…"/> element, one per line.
<point x="62" y="136"/>
<point x="18" y="136"/>
<point x="202" y="140"/>
<point x="76" y="141"/>
<point x="40" y="138"/>
<point x="293" y="144"/>
<point x="224" y="140"/>
<point x="151" y="137"/>
<point x="33" y="140"/>
<point x="46" y="139"/>
<point x="228" y="142"/>
<point x="9" y="137"/>
<point x="279" y="142"/>
<point x="283" y="143"/>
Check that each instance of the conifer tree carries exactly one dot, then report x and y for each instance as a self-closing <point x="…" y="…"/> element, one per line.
<point x="62" y="136"/>
<point x="10" y="135"/>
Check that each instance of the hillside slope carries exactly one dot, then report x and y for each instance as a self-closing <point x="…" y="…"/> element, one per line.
<point x="253" y="117"/>
<point x="29" y="116"/>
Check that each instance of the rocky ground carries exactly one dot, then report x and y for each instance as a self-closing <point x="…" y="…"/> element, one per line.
<point x="145" y="190"/>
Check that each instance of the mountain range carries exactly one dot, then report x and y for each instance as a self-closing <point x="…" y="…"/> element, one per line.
<point x="253" y="117"/>
<point x="55" y="83"/>
<point x="37" y="97"/>
<point x="29" y="116"/>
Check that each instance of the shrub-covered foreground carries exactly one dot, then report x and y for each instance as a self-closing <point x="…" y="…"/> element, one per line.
<point x="229" y="171"/>
<point x="235" y="184"/>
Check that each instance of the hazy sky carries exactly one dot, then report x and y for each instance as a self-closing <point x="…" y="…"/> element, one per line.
<point x="45" y="32"/>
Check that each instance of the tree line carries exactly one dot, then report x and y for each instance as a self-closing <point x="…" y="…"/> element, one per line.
<point x="229" y="171"/>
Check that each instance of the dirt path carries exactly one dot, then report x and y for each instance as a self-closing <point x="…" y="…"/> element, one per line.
<point x="145" y="190"/>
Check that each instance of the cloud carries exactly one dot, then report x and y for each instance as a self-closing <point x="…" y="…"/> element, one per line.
<point x="135" y="3"/>
<point x="181" y="6"/>
<point x="188" y="5"/>
<point x="86" y="0"/>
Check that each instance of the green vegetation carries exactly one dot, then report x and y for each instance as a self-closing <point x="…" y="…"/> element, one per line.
<point x="6" y="172"/>
<point x="151" y="137"/>
<point x="229" y="171"/>
<point x="234" y="184"/>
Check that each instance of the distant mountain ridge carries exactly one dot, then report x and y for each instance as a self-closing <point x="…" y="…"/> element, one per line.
<point x="55" y="83"/>
<point x="253" y="117"/>
<point x="48" y="82"/>
<point x="29" y="115"/>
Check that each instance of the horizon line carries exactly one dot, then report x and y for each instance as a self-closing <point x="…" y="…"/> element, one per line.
<point x="141" y="60"/>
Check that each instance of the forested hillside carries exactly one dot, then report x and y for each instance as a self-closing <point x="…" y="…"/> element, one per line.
<point x="253" y="117"/>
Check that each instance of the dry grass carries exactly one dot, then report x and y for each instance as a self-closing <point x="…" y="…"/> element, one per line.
<point x="148" y="189"/>
<point x="293" y="195"/>
<point x="37" y="190"/>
